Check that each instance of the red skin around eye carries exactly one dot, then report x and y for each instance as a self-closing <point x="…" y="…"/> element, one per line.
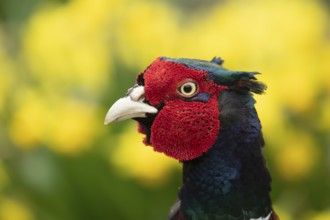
<point x="183" y="130"/>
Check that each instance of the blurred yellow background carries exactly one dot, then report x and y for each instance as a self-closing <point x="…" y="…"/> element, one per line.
<point x="64" y="62"/>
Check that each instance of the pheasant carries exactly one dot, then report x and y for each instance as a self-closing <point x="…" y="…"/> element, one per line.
<point x="203" y="115"/>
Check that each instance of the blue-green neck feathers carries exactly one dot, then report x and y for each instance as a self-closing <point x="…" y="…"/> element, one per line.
<point x="231" y="180"/>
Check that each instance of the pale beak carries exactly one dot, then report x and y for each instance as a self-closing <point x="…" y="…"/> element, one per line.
<point x="131" y="106"/>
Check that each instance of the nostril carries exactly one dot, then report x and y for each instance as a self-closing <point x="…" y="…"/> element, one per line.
<point x="139" y="99"/>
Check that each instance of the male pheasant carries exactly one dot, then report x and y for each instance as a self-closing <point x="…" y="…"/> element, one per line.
<point x="203" y="115"/>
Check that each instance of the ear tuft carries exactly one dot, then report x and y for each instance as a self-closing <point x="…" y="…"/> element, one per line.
<point x="217" y="60"/>
<point x="248" y="81"/>
<point x="252" y="85"/>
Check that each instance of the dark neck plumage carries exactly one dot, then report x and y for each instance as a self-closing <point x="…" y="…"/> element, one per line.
<point x="231" y="180"/>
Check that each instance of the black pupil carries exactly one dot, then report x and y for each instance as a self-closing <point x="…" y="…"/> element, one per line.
<point x="187" y="88"/>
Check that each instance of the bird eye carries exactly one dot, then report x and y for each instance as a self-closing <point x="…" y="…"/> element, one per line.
<point x="188" y="89"/>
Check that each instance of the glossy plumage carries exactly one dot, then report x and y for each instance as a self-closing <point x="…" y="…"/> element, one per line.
<point x="215" y="133"/>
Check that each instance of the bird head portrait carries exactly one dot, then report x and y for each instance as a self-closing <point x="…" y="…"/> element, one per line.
<point x="203" y="115"/>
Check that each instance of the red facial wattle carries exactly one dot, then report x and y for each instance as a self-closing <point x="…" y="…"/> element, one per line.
<point x="184" y="128"/>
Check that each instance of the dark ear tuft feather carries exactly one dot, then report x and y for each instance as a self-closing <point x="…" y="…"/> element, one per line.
<point x="217" y="60"/>
<point x="238" y="80"/>
<point x="250" y="83"/>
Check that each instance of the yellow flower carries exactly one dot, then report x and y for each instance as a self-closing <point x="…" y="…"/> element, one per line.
<point x="29" y="123"/>
<point x="68" y="44"/>
<point x="66" y="125"/>
<point x="325" y="215"/>
<point x="72" y="126"/>
<point x="11" y="209"/>
<point x="146" y="30"/>
<point x="281" y="39"/>
<point x="297" y="157"/>
<point x="139" y="161"/>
